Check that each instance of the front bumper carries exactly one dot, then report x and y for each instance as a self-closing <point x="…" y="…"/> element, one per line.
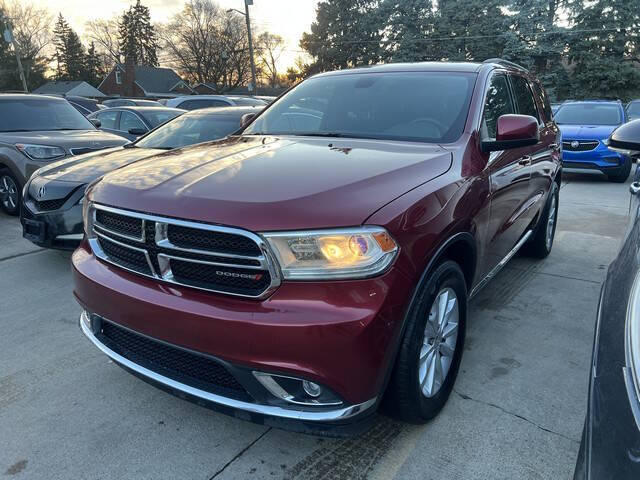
<point x="600" y="158"/>
<point x="338" y="334"/>
<point x="60" y="229"/>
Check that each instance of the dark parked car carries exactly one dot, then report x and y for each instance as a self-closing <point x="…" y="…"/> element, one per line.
<point x="302" y="271"/>
<point x="132" y="122"/>
<point x="57" y="221"/>
<point x="36" y="130"/>
<point x="610" y="446"/>
<point x="86" y="106"/>
<point x="585" y="127"/>
<point x="131" y="102"/>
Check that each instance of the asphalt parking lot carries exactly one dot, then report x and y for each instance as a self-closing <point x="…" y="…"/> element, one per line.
<point x="517" y="409"/>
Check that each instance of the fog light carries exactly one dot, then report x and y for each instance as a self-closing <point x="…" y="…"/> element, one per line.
<point x="311" y="389"/>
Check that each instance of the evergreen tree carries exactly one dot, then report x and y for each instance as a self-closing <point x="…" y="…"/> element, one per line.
<point x="93" y="66"/>
<point x="346" y="33"/>
<point x="538" y="43"/>
<point x="410" y="23"/>
<point x="70" y="56"/>
<point x="137" y="36"/>
<point x="605" y="49"/>
<point x="480" y="24"/>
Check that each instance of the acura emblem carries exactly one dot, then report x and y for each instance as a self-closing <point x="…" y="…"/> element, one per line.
<point x="41" y="191"/>
<point x="575" y="144"/>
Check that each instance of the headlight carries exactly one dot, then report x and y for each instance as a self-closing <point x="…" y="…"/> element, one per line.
<point x="40" y="152"/>
<point x="88" y="214"/>
<point x="333" y="254"/>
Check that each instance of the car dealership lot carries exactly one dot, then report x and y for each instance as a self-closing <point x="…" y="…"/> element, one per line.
<point x="517" y="409"/>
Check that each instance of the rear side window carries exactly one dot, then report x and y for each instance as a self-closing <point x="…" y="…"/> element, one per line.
<point x="544" y="98"/>
<point x="108" y="119"/>
<point x="524" y="97"/>
<point x="498" y="103"/>
<point x="202" y="103"/>
<point x="128" y="121"/>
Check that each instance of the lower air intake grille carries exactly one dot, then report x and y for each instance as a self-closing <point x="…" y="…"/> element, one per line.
<point x="181" y="365"/>
<point x="48" y="205"/>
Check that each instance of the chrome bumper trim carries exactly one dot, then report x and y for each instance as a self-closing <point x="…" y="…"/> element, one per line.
<point x="268" y="410"/>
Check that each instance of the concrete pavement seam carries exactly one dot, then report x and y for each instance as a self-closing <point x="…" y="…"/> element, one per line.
<point x="467" y="397"/>
<point x="18" y="255"/>
<point x="240" y="453"/>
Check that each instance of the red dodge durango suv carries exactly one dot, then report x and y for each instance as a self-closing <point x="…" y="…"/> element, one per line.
<point x="318" y="264"/>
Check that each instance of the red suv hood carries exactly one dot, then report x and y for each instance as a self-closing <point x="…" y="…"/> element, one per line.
<point x="267" y="183"/>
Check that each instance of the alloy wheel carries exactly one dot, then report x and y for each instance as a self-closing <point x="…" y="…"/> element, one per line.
<point x="439" y="342"/>
<point x="8" y="192"/>
<point x="551" y="222"/>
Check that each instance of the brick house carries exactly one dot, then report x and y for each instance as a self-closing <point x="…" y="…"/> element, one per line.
<point x="138" y="81"/>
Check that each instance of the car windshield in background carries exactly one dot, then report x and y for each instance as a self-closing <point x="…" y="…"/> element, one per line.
<point x="188" y="130"/>
<point x="588" y="114"/>
<point x="410" y="106"/>
<point x="38" y="114"/>
<point x="160" y="117"/>
<point x="248" y="102"/>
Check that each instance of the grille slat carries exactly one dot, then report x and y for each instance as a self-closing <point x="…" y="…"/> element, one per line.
<point x="173" y="362"/>
<point x="583" y="145"/>
<point x="47" y="205"/>
<point x="121" y="224"/>
<point x="183" y="254"/>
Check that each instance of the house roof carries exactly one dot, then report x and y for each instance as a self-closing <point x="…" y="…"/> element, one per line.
<point x="156" y="79"/>
<point x="77" y="87"/>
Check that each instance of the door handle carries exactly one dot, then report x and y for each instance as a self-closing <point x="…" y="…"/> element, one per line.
<point x="634" y="188"/>
<point x="525" y="160"/>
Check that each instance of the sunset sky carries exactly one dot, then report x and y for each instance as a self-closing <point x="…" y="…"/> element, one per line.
<point x="288" y="18"/>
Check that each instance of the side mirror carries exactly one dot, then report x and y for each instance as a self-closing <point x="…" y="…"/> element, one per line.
<point x="626" y="138"/>
<point x="513" y="131"/>
<point x="246" y="119"/>
<point x="137" y="131"/>
<point x="96" y="123"/>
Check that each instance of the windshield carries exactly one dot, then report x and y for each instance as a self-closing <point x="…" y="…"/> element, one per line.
<point x="40" y="114"/>
<point x="589" y="114"/>
<point x="160" y="117"/>
<point x="190" y="129"/>
<point x="410" y="106"/>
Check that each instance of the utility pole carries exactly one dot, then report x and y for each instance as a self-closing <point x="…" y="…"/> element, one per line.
<point x="254" y="84"/>
<point x="8" y="36"/>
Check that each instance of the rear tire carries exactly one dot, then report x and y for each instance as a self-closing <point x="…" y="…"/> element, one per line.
<point x="540" y="245"/>
<point x="10" y="193"/>
<point x="623" y="175"/>
<point x="430" y="351"/>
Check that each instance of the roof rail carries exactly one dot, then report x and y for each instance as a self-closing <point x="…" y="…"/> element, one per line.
<point x="502" y="61"/>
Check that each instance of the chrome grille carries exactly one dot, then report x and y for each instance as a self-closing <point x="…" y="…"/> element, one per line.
<point x="207" y="257"/>
<point x="583" y="145"/>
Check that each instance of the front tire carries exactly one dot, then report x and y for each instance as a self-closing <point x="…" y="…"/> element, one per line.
<point x="624" y="173"/>
<point x="429" y="357"/>
<point x="10" y="193"/>
<point x="540" y="245"/>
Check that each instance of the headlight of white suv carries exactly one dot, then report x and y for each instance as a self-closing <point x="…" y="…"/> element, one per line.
<point x="41" y="152"/>
<point x="333" y="254"/>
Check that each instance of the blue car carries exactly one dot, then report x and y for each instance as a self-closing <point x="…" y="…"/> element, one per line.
<point x="585" y="127"/>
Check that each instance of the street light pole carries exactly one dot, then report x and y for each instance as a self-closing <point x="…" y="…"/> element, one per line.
<point x="254" y="85"/>
<point x="8" y="36"/>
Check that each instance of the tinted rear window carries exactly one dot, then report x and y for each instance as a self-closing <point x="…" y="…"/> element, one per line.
<point x="38" y="114"/>
<point x="409" y="106"/>
<point x="589" y="114"/>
